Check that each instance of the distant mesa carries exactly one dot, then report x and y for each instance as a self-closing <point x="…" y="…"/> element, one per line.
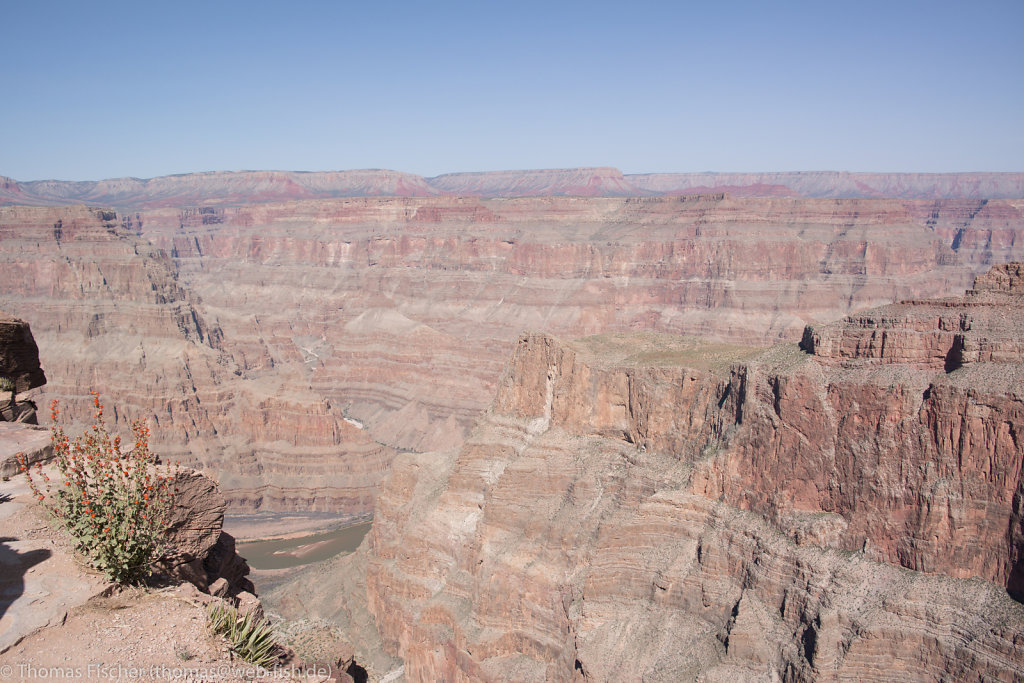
<point x="232" y="188"/>
<point x="582" y="182"/>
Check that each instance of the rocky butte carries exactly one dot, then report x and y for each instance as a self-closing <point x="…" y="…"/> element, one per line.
<point x="655" y="507"/>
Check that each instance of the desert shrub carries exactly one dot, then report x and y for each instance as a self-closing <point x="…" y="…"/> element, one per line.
<point x="7" y="385"/>
<point x="249" y="636"/>
<point x="114" y="503"/>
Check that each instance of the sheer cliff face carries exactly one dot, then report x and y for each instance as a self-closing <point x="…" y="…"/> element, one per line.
<point x="401" y="311"/>
<point x="654" y="507"/>
<point x="252" y="333"/>
<point x="110" y="314"/>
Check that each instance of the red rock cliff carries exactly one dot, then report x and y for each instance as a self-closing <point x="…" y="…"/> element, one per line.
<point x="401" y="310"/>
<point x="255" y="333"/>
<point x="654" y="507"/>
<point x="110" y="314"/>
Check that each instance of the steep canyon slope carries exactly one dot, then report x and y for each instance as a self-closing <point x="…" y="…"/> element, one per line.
<point x="289" y="347"/>
<point x="401" y="310"/>
<point x="653" y="507"/>
<point x="109" y="314"/>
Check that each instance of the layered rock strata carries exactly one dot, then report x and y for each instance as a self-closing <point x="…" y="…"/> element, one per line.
<point x="110" y="314"/>
<point x="257" y="187"/>
<point x="220" y="187"/>
<point x="837" y="184"/>
<point x="400" y="311"/>
<point x="279" y="345"/>
<point x="656" y="508"/>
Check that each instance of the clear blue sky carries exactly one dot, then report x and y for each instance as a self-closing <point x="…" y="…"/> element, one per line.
<point x="143" y="88"/>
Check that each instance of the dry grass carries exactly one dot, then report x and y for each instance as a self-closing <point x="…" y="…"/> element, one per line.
<point x="663" y="350"/>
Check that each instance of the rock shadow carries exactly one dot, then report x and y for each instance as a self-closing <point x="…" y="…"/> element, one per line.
<point x="955" y="355"/>
<point x="22" y="411"/>
<point x="13" y="566"/>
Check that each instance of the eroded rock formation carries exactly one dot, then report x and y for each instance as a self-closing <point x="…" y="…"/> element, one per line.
<point x="197" y="549"/>
<point x="401" y="311"/>
<point x="220" y="187"/>
<point x="654" y="507"/>
<point x="837" y="184"/>
<point x="280" y="345"/>
<point x="111" y="315"/>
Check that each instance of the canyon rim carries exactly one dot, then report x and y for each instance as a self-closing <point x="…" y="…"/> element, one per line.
<point x="608" y="426"/>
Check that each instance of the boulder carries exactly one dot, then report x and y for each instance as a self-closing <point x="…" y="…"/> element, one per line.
<point x="19" y="355"/>
<point x="220" y="588"/>
<point x="197" y="518"/>
<point x="198" y="550"/>
<point x="224" y="561"/>
<point x="250" y="604"/>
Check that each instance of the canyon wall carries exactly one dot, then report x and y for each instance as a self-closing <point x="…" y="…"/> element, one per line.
<point x="237" y="188"/>
<point x="109" y="314"/>
<point x="659" y="508"/>
<point x="401" y="311"/>
<point x="289" y="347"/>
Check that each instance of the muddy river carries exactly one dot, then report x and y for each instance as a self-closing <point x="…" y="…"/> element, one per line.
<point x="283" y="553"/>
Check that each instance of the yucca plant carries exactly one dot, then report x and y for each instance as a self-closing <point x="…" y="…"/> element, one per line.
<point x="250" y="637"/>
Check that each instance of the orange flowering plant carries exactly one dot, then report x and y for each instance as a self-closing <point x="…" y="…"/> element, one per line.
<point x="115" y="503"/>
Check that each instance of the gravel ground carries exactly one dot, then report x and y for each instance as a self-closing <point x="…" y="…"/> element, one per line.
<point x="136" y="634"/>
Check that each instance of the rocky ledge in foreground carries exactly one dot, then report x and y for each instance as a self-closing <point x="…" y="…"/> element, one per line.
<point x="43" y="579"/>
<point x="652" y="507"/>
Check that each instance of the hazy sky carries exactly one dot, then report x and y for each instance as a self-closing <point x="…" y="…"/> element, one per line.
<point x="143" y="88"/>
